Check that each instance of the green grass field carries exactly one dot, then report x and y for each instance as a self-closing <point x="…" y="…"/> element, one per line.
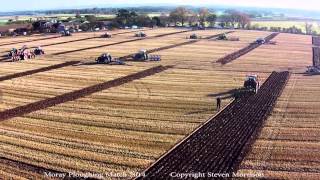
<point x="3" y="22"/>
<point x="286" y="24"/>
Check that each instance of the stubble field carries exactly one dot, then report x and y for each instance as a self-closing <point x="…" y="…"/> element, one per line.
<point x="126" y="128"/>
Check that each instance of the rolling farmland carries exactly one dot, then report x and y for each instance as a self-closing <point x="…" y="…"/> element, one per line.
<point x="61" y="113"/>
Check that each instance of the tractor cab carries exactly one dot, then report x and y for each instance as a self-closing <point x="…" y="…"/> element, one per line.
<point x="260" y="41"/>
<point x="140" y="34"/>
<point x="38" y="51"/>
<point x="313" y="70"/>
<point x="194" y="36"/>
<point x="222" y="37"/>
<point x="106" y="35"/>
<point x="12" y="52"/>
<point x="252" y="83"/>
<point x="66" y="33"/>
<point x="105" y="58"/>
<point x="142" y="55"/>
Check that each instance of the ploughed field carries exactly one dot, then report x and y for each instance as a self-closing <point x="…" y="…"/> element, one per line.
<point x="289" y="143"/>
<point x="124" y="126"/>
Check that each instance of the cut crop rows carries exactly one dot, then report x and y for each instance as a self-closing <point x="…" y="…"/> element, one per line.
<point x="49" y="68"/>
<point x="28" y="168"/>
<point x="18" y="42"/>
<point x="121" y="42"/>
<point x="19" y="111"/>
<point x="83" y="39"/>
<point x="220" y="145"/>
<point x="174" y="45"/>
<point x="235" y="55"/>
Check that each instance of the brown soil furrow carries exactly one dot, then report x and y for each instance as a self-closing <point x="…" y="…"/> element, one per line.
<point x="235" y="55"/>
<point x="220" y="145"/>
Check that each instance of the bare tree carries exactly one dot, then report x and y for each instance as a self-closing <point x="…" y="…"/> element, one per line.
<point x="244" y="20"/>
<point x="308" y="28"/>
<point x="236" y="18"/>
<point x="174" y="17"/>
<point x="180" y="14"/>
<point x="232" y="17"/>
<point x="212" y="18"/>
<point x="225" y="20"/>
<point x="203" y="15"/>
<point x="193" y="19"/>
<point x="164" y="19"/>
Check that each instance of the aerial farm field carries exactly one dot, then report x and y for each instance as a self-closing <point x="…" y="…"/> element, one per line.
<point x="123" y="127"/>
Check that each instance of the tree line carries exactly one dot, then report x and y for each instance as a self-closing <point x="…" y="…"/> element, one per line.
<point x="179" y="16"/>
<point x="182" y="16"/>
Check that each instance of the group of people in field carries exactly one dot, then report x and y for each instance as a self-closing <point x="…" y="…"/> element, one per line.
<point x="24" y="53"/>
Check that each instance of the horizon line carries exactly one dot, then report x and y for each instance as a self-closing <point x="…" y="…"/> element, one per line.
<point x="152" y="5"/>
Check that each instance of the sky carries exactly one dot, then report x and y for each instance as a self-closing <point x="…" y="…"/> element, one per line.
<point x="22" y="5"/>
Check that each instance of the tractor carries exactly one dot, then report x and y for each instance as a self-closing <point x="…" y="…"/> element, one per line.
<point x="313" y="70"/>
<point x="106" y="35"/>
<point x="194" y="36"/>
<point x="106" y="58"/>
<point x="260" y="41"/>
<point x="140" y="34"/>
<point x="38" y="51"/>
<point x="252" y="83"/>
<point x="222" y="37"/>
<point x="66" y="33"/>
<point x="143" y="55"/>
<point x="12" y="53"/>
<point x="250" y="87"/>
